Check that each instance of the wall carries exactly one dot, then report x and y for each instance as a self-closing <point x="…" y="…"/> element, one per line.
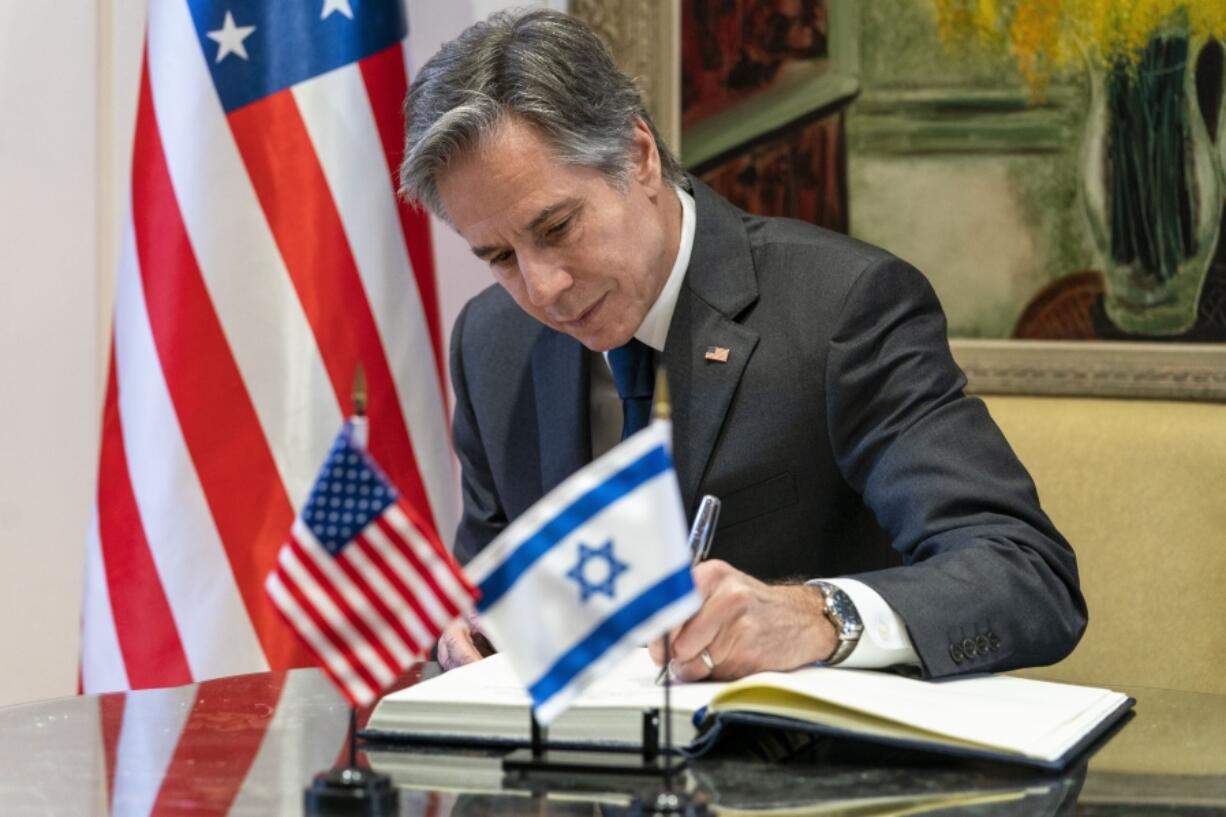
<point x="48" y="337"/>
<point x="68" y="78"/>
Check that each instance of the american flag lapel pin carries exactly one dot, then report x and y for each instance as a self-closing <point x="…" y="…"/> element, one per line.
<point x="719" y="354"/>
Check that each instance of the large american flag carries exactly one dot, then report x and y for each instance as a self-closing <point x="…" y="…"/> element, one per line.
<point x="265" y="257"/>
<point x="359" y="580"/>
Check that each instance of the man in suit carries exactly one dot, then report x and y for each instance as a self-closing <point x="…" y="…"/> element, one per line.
<point x="874" y="516"/>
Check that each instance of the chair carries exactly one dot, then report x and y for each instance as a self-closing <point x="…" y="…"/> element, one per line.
<point x="1139" y="489"/>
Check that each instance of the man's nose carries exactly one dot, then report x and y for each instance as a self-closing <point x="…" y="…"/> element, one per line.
<point x="545" y="278"/>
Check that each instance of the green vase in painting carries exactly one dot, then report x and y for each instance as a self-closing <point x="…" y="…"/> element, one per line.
<point x="1151" y="186"/>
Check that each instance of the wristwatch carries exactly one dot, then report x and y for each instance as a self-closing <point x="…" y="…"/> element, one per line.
<point x="845" y="618"/>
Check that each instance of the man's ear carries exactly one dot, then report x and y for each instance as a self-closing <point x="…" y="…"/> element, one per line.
<point x="644" y="157"/>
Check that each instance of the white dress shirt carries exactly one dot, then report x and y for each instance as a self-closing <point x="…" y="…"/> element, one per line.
<point x="885" y="641"/>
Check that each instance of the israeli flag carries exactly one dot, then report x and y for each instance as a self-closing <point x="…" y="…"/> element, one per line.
<point x="595" y="568"/>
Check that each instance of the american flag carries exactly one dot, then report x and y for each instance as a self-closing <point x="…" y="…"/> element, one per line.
<point x="265" y="257"/>
<point x="359" y="581"/>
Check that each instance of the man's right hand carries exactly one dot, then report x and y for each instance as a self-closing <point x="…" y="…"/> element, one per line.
<point x="462" y="642"/>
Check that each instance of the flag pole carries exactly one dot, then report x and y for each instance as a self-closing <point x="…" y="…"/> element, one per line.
<point x="358" y="421"/>
<point x="543" y="762"/>
<point x="357" y="397"/>
<point x="662" y="409"/>
<point x="352" y="789"/>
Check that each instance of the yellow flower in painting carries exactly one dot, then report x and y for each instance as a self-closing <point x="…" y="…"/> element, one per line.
<point x="1047" y="36"/>
<point x="986" y="20"/>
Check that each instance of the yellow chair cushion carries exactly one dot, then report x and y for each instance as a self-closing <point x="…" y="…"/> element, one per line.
<point x="1139" y="489"/>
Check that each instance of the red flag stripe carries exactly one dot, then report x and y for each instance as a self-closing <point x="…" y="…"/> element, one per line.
<point x="347" y="611"/>
<point x="334" y="640"/>
<point x="395" y="560"/>
<point x="357" y="593"/>
<point x="219" y="423"/>
<point x="406" y="611"/>
<point x="298" y="620"/>
<point x="148" y="638"/>
<point x="208" y="773"/>
<point x="432" y="553"/>
<point x="387" y="84"/>
<point x="377" y="601"/>
<point x="376" y="559"/>
<point x="359" y="652"/>
<point x="409" y="552"/>
<point x="110" y="716"/>
<point x="293" y="191"/>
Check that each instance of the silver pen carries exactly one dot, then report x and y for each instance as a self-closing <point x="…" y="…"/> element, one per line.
<point x="702" y="534"/>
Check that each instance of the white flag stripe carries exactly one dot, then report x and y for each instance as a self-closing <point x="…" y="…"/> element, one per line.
<point x="357" y="600"/>
<point x="576" y="485"/>
<point x="332" y="659"/>
<point x="259" y="310"/>
<point x="568" y="592"/>
<point x="171" y="500"/>
<point x="638" y="517"/>
<point x="667" y="617"/>
<point x="406" y="615"/>
<point x="152" y="725"/>
<point x="336" y="618"/>
<point x="102" y="667"/>
<point x="342" y="128"/>
<point x="408" y="574"/>
<point x="435" y="563"/>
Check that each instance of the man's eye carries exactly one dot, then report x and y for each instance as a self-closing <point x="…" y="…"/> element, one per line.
<point x="558" y="230"/>
<point x="501" y="259"/>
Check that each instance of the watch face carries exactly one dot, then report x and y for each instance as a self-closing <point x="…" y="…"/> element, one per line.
<point x="844" y="612"/>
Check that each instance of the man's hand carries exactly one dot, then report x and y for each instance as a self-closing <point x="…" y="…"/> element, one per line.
<point x="462" y="642"/>
<point x="747" y="626"/>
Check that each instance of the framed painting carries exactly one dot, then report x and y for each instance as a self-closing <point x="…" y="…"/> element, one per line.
<point x="1068" y="261"/>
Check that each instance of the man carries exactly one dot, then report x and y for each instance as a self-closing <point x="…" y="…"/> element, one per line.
<point x="812" y="385"/>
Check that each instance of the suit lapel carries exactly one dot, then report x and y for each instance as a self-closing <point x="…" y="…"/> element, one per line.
<point x="720" y="283"/>
<point x="702" y="389"/>
<point x="560" y="381"/>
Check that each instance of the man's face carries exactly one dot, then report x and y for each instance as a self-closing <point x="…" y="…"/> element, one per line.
<point x="574" y="250"/>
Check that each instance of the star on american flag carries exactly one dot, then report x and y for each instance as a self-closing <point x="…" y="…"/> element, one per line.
<point x="331" y="6"/>
<point x="229" y="38"/>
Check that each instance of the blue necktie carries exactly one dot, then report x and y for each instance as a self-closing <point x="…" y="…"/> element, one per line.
<point x="634" y="375"/>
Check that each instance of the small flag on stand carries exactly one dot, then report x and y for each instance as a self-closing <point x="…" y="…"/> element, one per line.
<point x="595" y="568"/>
<point x="359" y="580"/>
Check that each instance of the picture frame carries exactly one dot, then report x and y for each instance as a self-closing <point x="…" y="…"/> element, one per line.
<point x="1166" y="370"/>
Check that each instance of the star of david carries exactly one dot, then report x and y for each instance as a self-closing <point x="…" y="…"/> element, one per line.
<point x="596" y="570"/>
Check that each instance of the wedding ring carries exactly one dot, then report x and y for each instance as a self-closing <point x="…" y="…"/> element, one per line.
<point x="706" y="659"/>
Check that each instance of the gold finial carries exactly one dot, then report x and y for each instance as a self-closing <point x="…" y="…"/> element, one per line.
<point x="661" y="406"/>
<point x="359" y="391"/>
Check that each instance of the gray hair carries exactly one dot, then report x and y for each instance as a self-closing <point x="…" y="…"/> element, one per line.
<point x="542" y="66"/>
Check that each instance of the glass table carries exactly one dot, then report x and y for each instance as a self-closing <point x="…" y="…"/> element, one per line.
<point x="247" y="745"/>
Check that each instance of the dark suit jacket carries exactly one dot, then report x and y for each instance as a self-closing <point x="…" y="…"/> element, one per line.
<point x="837" y="435"/>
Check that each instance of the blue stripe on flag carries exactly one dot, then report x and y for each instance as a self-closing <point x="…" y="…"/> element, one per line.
<point x="498" y="582"/>
<point x="610" y="631"/>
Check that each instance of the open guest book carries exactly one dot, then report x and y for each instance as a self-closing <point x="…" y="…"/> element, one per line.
<point x="1034" y="723"/>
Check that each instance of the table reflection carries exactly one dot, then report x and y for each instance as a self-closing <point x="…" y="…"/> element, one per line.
<point x="248" y="745"/>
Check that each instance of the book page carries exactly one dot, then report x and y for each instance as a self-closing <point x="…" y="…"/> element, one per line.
<point x="491" y="682"/>
<point x="1034" y="718"/>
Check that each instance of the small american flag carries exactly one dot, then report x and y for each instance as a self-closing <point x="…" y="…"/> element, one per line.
<point x="367" y="589"/>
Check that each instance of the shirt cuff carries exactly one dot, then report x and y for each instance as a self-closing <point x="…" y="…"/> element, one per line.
<point x="885" y="641"/>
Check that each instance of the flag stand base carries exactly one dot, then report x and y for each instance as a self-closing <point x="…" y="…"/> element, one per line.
<point x="539" y="766"/>
<point x="541" y="761"/>
<point x="350" y="791"/>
